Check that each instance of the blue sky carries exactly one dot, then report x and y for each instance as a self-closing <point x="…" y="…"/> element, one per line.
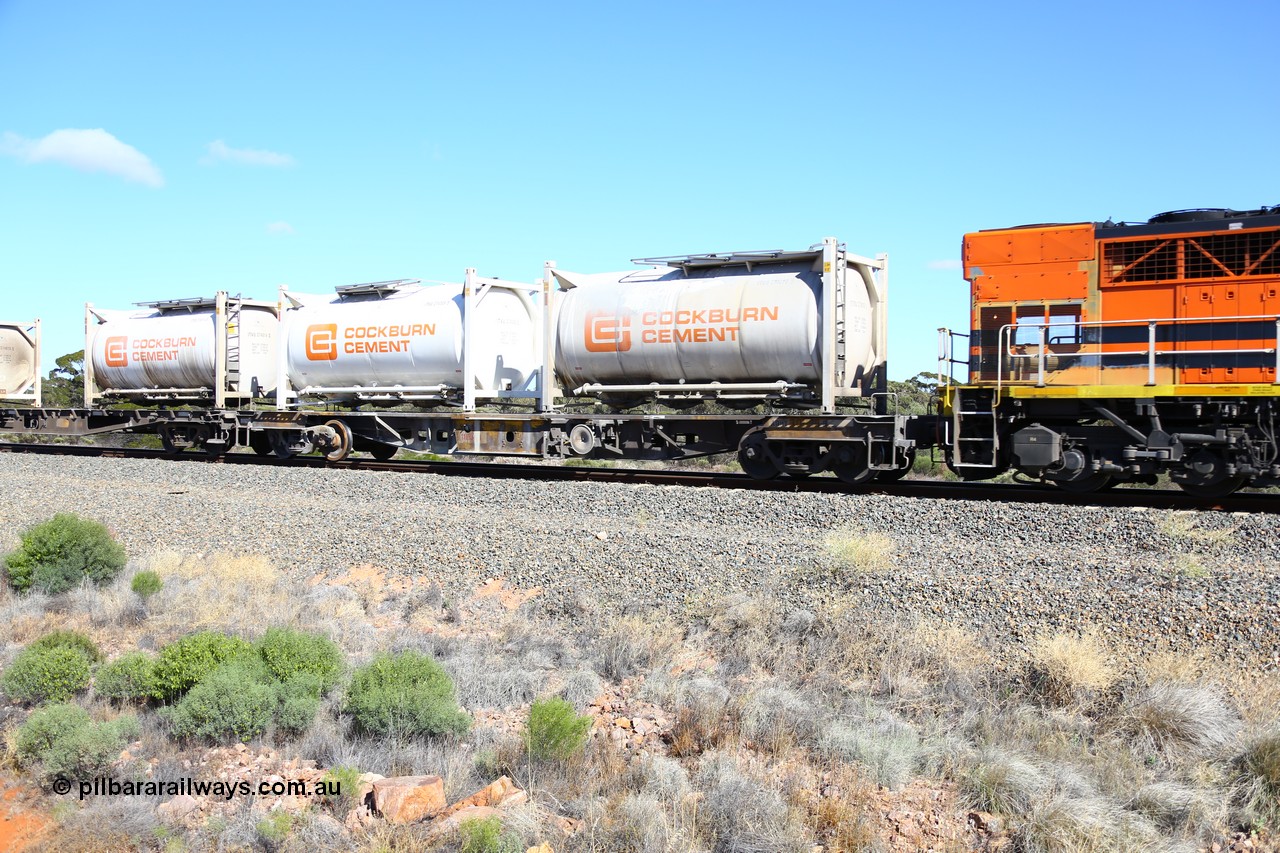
<point x="163" y="150"/>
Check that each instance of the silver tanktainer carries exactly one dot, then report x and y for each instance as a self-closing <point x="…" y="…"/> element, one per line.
<point x="220" y="350"/>
<point x="403" y="341"/>
<point x="20" y="362"/>
<point x="804" y="328"/>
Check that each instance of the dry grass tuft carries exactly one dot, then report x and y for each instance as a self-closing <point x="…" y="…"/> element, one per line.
<point x="1181" y="809"/>
<point x="853" y="550"/>
<point x="1004" y="783"/>
<point x="1180" y="719"/>
<point x="1071" y="669"/>
<point x="1187" y="527"/>
<point x="238" y="593"/>
<point x="1085" y="825"/>
<point x="633" y="645"/>
<point x="1257" y="776"/>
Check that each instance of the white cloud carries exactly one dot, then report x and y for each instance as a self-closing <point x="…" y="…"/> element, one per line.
<point x="86" y="150"/>
<point x="281" y="227"/>
<point x="221" y="152"/>
<point x="948" y="264"/>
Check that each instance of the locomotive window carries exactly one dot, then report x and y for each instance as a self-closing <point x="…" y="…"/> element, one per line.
<point x="1063" y="322"/>
<point x="1064" y="325"/>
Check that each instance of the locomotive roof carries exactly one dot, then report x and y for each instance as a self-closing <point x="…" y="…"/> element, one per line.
<point x="1175" y="222"/>
<point x="1200" y="219"/>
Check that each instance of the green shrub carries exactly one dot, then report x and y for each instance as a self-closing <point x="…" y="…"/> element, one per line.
<point x="485" y="835"/>
<point x="146" y="584"/>
<point x="66" y="742"/>
<point x="299" y="701"/>
<point x="51" y="674"/>
<point x="186" y="661"/>
<point x="343" y="783"/>
<point x="70" y="640"/>
<point x="288" y="653"/>
<point x="405" y="695"/>
<point x="275" y="828"/>
<point x="129" y="678"/>
<point x="59" y="553"/>
<point x="554" y="730"/>
<point x="236" y="700"/>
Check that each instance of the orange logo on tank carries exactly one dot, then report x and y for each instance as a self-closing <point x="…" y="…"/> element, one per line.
<point x="607" y="333"/>
<point x="322" y="342"/>
<point x="116" y="351"/>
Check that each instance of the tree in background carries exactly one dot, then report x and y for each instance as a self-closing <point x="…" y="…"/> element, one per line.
<point x="915" y="395"/>
<point x="64" y="389"/>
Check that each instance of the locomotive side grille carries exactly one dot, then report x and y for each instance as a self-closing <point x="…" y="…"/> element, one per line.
<point x="1233" y="255"/>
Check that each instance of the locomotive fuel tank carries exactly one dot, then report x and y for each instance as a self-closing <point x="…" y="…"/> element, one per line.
<point x="184" y="348"/>
<point x="728" y="324"/>
<point x="406" y="341"/>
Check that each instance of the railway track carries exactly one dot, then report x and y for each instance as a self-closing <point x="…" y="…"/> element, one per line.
<point x="940" y="490"/>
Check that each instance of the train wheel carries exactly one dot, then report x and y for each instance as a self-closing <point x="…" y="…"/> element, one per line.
<point x="1205" y="475"/>
<point x="753" y="456"/>
<point x="1084" y="485"/>
<point x="382" y="452"/>
<point x="1217" y="489"/>
<point x="342" y="441"/>
<point x="260" y="443"/>
<point x="854" y="472"/>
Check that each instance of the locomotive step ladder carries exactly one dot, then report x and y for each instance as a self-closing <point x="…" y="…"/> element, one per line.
<point x="974" y="428"/>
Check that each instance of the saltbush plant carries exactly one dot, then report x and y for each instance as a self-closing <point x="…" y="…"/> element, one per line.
<point x="289" y="653"/>
<point x="299" y="699"/>
<point x="64" y="741"/>
<point x="129" y="678"/>
<point x="405" y="695"/>
<point x="486" y="835"/>
<point x="185" y="662"/>
<point x="146" y="584"/>
<point x="48" y="674"/>
<point x="60" y="553"/>
<point x="235" y="701"/>
<point x="554" y="730"/>
<point x="70" y="640"/>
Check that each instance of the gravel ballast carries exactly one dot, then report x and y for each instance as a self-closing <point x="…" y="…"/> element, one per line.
<point x="1151" y="579"/>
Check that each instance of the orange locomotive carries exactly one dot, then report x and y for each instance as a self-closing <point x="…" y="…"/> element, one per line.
<point x="1101" y="353"/>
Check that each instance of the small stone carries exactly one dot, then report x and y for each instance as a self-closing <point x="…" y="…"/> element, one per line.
<point x="177" y="808"/>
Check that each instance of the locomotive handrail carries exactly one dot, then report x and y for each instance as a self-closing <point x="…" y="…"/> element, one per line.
<point x="946" y="353"/>
<point x="1151" y="351"/>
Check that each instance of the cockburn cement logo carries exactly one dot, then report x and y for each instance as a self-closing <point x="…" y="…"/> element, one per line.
<point x="120" y="350"/>
<point x="604" y="332"/>
<point x="324" y="340"/>
<point x="116" y="351"/>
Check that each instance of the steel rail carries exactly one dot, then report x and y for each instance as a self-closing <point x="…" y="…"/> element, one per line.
<point x="926" y="489"/>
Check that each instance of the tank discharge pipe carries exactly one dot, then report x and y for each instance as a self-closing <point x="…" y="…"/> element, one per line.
<point x="757" y="387"/>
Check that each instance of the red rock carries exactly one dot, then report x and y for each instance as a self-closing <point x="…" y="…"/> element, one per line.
<point x="408" y="799"/>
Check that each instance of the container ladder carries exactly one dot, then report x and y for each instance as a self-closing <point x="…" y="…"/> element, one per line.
<point x="234" y="306"/>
